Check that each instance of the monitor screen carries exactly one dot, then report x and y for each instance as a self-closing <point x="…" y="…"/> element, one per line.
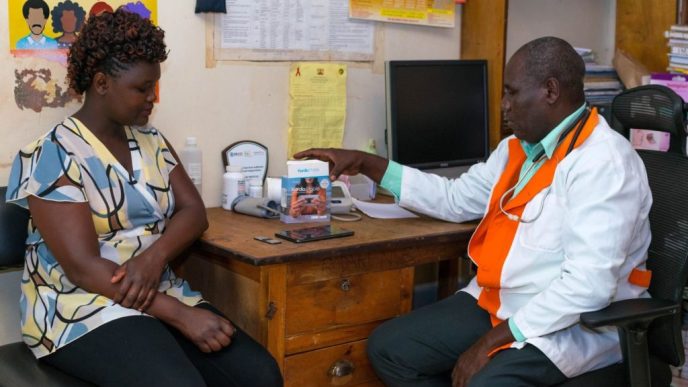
<point x="437" y="112"/>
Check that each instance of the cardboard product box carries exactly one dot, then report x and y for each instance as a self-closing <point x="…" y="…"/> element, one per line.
<point x="676" y="82"/>
<point x="306" y="192"/>
<point x="631" y="72"/>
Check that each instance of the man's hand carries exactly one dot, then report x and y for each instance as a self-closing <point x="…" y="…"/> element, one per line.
<point x="477" y="356"/>
<point x="208" y="331"/>
<point x="139" y="277"/>
<point x="348" y="162"/>
<point x="469" y="363"/>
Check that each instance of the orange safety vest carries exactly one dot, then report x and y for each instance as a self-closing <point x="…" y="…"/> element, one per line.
<point x="491" y="242"/>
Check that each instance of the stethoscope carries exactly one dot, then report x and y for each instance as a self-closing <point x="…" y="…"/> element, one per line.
<point x="578" y="124"/>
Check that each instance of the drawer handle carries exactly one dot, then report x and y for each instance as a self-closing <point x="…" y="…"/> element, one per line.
<point x="341" y="368"/>
<point x="272" y="309"/>
<point x="345" y="285"/>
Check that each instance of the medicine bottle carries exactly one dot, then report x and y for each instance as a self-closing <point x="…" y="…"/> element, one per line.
<point x="233" y="185"/>
<point x="192" y="160"/>
<point x="255" y="188"/>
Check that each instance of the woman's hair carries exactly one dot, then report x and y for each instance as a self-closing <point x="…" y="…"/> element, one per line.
<point x="304" y="183"/>
<point x="112" y="42"/>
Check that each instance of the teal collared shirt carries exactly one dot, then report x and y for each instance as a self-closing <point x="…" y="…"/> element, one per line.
<point x="548" y="144"/>
<point x="392" y="178"/>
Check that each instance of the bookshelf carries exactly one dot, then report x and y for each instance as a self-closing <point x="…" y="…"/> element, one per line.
<point x="639" y="30"/>
<point x="483" y="36"/>
<point x="640" y="27"/>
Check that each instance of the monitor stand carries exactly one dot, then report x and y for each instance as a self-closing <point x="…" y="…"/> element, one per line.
<point x="450" y="172"/>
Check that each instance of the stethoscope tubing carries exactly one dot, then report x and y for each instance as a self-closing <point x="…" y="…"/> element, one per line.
<point x="578" y="124"/>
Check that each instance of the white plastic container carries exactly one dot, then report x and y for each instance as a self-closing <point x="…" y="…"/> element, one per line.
<point x="255" y="188"/>
<point x="192" y="159"/>
<point x="233" y="185"/>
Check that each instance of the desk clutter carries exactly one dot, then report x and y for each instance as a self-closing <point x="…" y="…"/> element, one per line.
<point x="314" y="305"/>
<point x="305" y="194"/>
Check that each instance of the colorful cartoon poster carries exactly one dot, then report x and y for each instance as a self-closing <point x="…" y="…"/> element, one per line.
<point x="47" y="28"/>
<point x="35" y="89"/>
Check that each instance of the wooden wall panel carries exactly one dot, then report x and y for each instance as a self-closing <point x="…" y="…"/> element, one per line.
<point x="483" y="36"/>
<point x="640" y="26"/>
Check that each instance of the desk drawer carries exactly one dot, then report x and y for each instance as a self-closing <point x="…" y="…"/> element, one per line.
<point x="346" y="301"/>
<point x="341" y="365"/>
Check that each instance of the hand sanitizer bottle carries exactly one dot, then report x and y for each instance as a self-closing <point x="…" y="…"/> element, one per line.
<point x="192" y="159"/>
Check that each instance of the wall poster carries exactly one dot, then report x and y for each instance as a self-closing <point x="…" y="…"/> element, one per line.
<point x="434" y="13"/>
<point x="288" y="30"/>
<point x="43" y="31"/>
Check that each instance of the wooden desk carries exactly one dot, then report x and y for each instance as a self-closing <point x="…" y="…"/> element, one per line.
<point x="313" y="305"/>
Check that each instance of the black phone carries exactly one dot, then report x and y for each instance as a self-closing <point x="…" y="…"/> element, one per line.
<point x="309" y="234"/>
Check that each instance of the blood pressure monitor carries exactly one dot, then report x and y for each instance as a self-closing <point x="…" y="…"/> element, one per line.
<point x="340" y="200"/>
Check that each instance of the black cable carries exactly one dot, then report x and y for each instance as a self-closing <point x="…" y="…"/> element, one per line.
<point x="582" y="119"/>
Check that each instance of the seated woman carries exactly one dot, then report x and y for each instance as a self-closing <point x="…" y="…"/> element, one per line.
<point x="110" y="208"/>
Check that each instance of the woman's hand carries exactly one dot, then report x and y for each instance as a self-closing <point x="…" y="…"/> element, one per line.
<point x="297" y="207"/>
<point x="208" y="331"/>
<point x="139" y="278"/>
<point x="320" y="205"/>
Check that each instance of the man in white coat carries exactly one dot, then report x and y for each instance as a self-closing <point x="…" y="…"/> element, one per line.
<point x="564" y="204"/>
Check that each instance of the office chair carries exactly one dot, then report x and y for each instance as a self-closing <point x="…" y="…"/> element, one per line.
<point x="650" y="329"/>
<point x="18" y="366"/>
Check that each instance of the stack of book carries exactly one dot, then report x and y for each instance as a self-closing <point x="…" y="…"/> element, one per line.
<point x="601" y="82"/>
<point x="677" y="37"/>
<point x="587" y="54"/>
<point x="677" y="82"/>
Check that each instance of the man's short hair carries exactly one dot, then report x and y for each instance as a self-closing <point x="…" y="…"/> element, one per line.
<point x="552" y="57"/>
<point x="35" y="4"/>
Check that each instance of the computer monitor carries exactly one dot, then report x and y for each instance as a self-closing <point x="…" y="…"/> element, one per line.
<point x="437" y="112"/>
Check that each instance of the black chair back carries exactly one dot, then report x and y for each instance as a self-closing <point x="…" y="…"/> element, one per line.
<point x="658" y="108"/>
<point x="13" y="229"/>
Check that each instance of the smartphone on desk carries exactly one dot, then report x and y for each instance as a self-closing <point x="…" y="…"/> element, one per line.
<point x="309" y="234"/>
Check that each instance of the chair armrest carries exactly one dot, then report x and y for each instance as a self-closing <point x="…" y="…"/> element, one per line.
<point x="629" y="312"/>
<point x="13" y="229"/>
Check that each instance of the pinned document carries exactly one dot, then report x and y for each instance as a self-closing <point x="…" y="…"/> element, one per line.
<point x="317" y="106"/>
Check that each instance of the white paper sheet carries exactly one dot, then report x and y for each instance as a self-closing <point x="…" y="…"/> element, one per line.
<point x="289" y="29"/>
<point x="383" y="211"/>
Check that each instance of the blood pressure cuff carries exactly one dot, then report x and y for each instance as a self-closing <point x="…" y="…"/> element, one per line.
<point x="218" y="6"/>
<point x="260" y="207"/>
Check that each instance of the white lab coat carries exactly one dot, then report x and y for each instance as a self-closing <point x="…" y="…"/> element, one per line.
<point x="576" y="257"/>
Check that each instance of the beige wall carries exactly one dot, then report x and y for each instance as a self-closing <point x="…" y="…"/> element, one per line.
<point x="583" y="23"/>
<point x="228" y="103"/>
